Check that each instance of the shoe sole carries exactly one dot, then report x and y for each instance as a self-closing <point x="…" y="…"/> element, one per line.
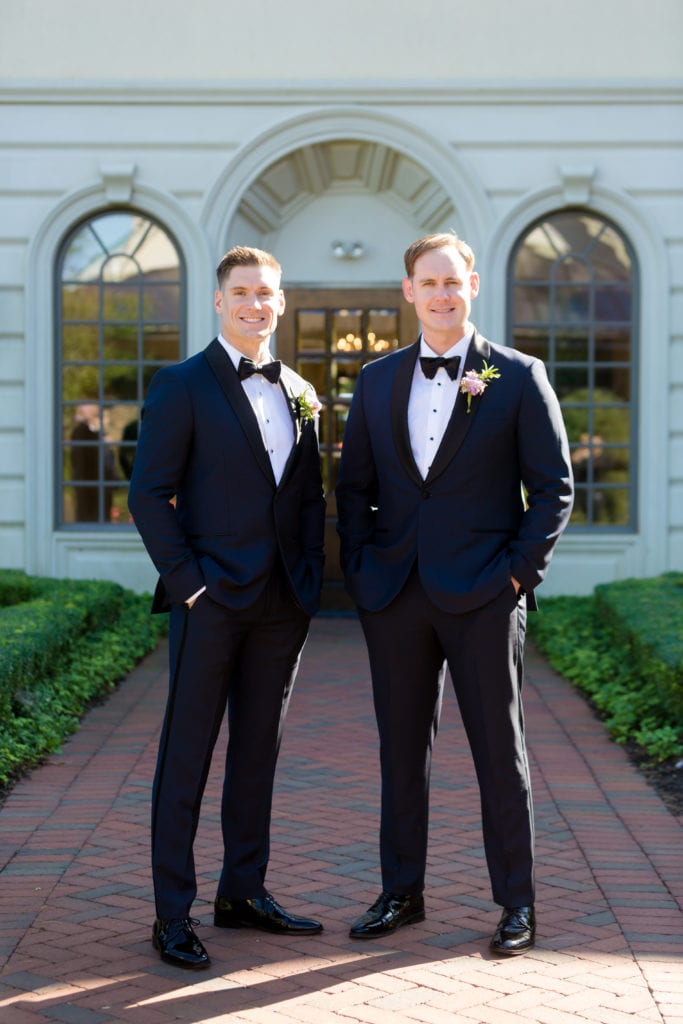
<point x="512" y="952"/>
<point x="413" y="919"/>
<point x="232" y="923"/>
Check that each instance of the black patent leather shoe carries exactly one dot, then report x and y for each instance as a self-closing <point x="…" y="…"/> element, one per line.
<point x="388" y="913"/>
<point x="178" y="945"/>
<point x="261" y="912"/>
<point x="516" y="931"/>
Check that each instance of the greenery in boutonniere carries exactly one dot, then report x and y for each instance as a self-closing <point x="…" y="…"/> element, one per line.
<point x="473" y="384"/>
<point x="306" y="406"/>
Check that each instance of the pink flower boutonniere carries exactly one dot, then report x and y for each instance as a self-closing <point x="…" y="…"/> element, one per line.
<point x="306" y="406"/>
<point x="473" y="384"/>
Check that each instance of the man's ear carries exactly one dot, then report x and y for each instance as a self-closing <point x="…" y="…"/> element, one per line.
<point x="474" y="284"/>
<point x="407" y="286"/>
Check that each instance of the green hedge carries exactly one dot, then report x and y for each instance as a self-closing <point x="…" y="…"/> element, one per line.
<point x="63" y="645"/>
<point x="623" y="647"/>
<point x="645" y="620"/>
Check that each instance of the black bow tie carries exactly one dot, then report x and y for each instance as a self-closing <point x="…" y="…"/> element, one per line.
<point x="271" y="371"/>
<point x="430" y="364"/>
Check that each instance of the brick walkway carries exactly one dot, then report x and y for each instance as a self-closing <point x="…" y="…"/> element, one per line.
<point x="75" y="890"/>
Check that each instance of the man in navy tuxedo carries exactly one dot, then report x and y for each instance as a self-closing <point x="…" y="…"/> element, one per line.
<point x="455" y="484"/>
<point x="227" y="495"/>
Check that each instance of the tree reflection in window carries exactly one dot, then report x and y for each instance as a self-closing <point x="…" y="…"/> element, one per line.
<point x="571" y="303"/>
<point x="120" y="297"/>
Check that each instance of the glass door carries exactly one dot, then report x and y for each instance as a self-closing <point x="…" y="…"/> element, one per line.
<point x="328" y="336"/>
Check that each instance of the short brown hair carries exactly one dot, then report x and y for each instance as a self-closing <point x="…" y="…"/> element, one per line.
<point x="245" y="256"/>
<point x="442" y="240"/>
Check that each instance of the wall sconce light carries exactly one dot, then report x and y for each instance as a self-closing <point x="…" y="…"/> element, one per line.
<point x="348" y="250"/>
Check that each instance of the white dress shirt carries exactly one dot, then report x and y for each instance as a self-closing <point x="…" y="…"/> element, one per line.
<point x="431" y="403"/>
<point x="272" y="413"/>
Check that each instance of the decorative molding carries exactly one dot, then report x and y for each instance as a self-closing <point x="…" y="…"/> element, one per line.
<point x="117" y="180"/>
<point x="352" y="165"/>
<point x="577" y="183"/>
<point x="443" y="165"/>
<point x="420" y="92"/>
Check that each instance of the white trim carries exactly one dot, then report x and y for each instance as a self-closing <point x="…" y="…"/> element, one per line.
<point x="43" y="540"/>
<point x="447" y="167"/>
<point x="650" y="556"/>
<point x="421" y="92"/>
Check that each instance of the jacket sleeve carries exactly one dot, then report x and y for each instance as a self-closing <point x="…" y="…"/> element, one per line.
<point x="160" y="460"/>
<point x="356" y="490"/>
<point x="546" y="475"/>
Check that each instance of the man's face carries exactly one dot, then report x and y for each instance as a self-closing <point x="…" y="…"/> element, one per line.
<point x="442" y="289"/>
<point x="249" y="304"/>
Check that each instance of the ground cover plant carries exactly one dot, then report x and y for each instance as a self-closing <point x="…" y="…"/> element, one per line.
<point x="64" y="644"/>
<point x="623" y="648"/>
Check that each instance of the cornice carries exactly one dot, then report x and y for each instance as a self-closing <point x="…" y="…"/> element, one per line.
<point x="287" y="93"/>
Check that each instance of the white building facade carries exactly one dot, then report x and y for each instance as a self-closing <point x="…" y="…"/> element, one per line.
<point x="120" y="191"/>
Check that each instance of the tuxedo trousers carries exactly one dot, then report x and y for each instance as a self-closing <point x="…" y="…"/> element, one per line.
<point x="410" y="644"/>
<point x="246" y="660"/>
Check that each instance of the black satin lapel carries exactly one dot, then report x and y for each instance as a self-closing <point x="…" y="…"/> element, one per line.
<point x="291" y="458"/>
<point x="226" y="375"/>
<point x="400" y="396"/>
<point x="461" y="420"/>
<point x="291" y="405"/>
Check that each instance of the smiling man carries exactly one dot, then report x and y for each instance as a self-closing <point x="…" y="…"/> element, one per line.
<point x="441" y="555"/>
<point x="227" y="495"/>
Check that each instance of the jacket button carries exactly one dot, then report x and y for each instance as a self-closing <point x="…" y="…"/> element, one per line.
<point x="426" y="494"/>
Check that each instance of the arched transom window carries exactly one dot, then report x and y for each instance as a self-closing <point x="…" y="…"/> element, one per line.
<point x="120" y="316"/>
<point x="572" y="303"/>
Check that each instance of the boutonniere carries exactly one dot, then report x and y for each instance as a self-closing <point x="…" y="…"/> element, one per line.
<point x="473" y="384"/>
<point x="306" y="406"/>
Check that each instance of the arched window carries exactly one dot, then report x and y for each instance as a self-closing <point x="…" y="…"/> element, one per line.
<point x="120" y="316"/>
<point x="571" y="297"/>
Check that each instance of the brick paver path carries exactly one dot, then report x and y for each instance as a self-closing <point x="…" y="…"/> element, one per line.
<point x="75" y="890"/>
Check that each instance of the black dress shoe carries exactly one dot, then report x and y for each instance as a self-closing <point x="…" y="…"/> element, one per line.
<point x="261" y="912"/>
<point x="516" y="931"/>
<point x="388" y="913"/>
<point x="178" y="945"/>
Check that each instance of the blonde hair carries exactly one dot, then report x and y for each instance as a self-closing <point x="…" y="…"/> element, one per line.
<point x="441" y="240"/>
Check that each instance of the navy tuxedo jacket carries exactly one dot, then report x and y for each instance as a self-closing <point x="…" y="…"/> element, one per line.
<point x="467" y="525"/>
<point x="200" y="444"/>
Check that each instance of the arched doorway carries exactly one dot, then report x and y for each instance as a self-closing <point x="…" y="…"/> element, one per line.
<point x="339" y="213"/>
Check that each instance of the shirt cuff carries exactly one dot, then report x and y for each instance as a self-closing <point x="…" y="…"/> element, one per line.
<point x="191" y="600"/>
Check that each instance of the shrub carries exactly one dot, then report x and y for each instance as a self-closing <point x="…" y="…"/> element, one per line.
<point x="645" y="619"/>
<point x="63" y="645"/>
<point x="623" y="647"/>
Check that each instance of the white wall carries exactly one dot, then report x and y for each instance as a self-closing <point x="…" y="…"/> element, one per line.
<point x="357" y="40"/>
<point x="503" y="153"/>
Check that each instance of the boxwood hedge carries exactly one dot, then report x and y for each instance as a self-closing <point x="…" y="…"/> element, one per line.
<point x="63" y="645"/>
<point x="623" y="647"/>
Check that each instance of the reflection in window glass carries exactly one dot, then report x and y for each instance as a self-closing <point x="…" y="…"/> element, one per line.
<point x="120" y="297"/>
<point x="571" y="298"/>
<point x="332" y="345"/>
